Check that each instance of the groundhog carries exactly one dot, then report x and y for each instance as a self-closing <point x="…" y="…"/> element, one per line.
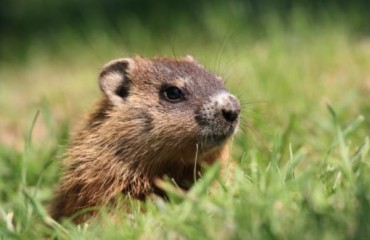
<point x="158" y="117"/>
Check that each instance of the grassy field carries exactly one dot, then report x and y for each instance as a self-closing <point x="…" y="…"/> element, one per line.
<point x="302" y="152"/>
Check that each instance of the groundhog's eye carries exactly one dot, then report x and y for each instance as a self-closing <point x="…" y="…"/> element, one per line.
<point x="173" y="94"/>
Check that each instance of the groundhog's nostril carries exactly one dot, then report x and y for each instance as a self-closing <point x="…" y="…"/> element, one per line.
<point x="230" y="115"/>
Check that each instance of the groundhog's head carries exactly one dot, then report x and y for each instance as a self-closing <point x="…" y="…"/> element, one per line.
<point x="171" y="104"/>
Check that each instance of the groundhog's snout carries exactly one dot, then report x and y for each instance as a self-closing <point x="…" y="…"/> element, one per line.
<point x="218" y="117"/>
<point x="227" y="110"/>
<point x="231" y="109"/>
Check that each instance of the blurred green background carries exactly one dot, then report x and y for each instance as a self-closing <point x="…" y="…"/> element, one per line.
<point x="285" y="60"/>
<point x="47" y="23"/>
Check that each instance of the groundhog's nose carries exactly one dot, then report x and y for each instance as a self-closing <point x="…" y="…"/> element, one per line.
<point x="231" y="110"/>
<point x="230" y="115"/>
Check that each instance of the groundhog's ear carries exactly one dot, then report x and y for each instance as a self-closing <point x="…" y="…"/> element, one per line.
<point x="190" y="58"/>
<point x="114" y="79"/>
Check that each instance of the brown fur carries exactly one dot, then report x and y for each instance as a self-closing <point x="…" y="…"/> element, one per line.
<point x="136" y="137"/>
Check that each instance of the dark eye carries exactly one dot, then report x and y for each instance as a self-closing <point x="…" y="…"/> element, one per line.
<point x="173" y="94"/>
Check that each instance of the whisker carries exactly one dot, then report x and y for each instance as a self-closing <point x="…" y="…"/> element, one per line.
<point x="225" y="41"/>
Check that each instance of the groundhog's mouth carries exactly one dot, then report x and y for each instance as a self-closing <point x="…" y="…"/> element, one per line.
<point x="215" y="139"/>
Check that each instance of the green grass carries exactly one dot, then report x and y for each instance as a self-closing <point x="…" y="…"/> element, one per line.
<point x="302" y="154"/>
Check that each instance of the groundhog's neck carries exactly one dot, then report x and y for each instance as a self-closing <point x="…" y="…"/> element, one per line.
<point x="98" y="116"/>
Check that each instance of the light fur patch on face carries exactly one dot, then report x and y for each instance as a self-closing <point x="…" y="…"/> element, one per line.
<point x="209" y="109"/>
<point x="220" y="99"/>
<point x="182" y="81"/>
<point x="214" y="106"/>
